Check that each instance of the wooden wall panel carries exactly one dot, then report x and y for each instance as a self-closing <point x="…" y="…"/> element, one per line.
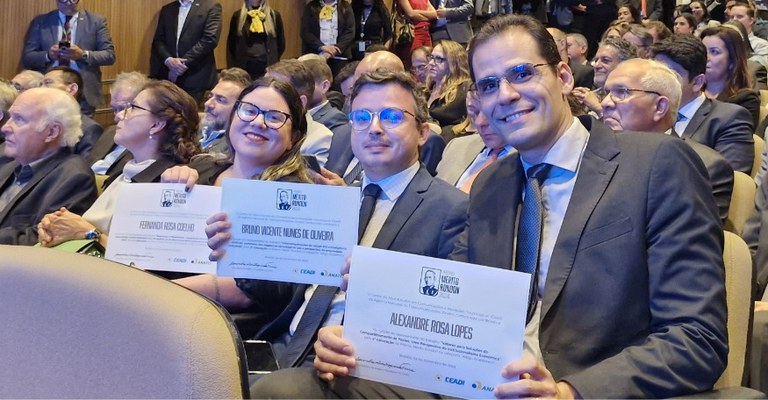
<point x="131" y="23"/>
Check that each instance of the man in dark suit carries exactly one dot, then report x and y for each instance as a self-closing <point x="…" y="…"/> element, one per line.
<point x="67" y="79"/>
<point x="629" y="264"/>
<point x="184" y="55"/>
<point x="413" y="212"/>
<point x="90" y="47"/>
<point x="451" y="20"/>
<point x="724" y="127"/>
<point x="44" y="174"/>
<point x="655" y="111"/>
<point x="584" y="74"/>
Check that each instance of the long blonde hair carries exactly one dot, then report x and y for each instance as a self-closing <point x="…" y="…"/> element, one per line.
<point x="269" y="23"/>
<point x="458" y="70"/>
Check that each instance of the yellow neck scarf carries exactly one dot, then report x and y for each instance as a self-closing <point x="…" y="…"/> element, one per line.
<point x="257" y="18"/>
<point x="326" y="13"/>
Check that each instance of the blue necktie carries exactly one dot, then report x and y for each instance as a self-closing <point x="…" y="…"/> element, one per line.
<point x="529" y="232"/>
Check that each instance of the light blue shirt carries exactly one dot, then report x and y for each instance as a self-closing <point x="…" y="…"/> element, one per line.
<point x="72" y="35"/>
<point x="481" y="158"/>
<point x="184" y="7"/>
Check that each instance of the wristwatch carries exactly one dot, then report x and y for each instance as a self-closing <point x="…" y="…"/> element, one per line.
<point x="85" y="56"/>
<point x="93" y="234"/>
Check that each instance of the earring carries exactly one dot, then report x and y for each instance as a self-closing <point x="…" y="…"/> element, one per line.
<point x="150" y="137"/>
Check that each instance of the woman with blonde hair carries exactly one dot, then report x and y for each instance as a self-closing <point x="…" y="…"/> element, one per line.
<point x="256" y="38"/>
<point x="448" y="81"/>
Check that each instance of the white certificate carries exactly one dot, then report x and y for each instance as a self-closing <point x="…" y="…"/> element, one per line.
<point x="160" y="226"/>
<point x="434" y="325"/>
<point x="288" y="232"/>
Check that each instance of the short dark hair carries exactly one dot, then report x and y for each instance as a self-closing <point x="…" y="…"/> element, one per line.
<point x="298" y="75"/>
<point x="70" y="76"/>
<point x="686" y="50"/>
<point x="662" y="31"/>
<point x="345" y="73"/>
<point x="238" y="76"/>
<point x="689" y="18"/>
<point x="403" y="79"/>
<point x="319" y="69"/>
<point x="636" y="17"/>
<point x="642" y="33"/>
<point x="503" y="23"/>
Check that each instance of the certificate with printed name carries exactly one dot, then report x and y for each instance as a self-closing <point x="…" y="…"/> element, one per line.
<point x="434" y="325"/>
<point x="288" y="232"/>
<point x="159" y="226"/>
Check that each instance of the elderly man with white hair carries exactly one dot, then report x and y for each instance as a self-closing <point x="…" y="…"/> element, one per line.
<point x="43" y="126"/>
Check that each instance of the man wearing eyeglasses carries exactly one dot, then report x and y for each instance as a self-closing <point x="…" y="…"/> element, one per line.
<point x="72" y="37"/>
<point x="644" y="96"/>
<point x="619" y="231"/>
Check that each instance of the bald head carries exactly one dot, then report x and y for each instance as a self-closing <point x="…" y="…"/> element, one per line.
<point x="383" y="60"/>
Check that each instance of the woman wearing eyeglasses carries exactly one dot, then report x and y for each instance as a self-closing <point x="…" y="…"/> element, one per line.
<point x="159" y="129"/>
<point x="448" y="81"/>
<point x="265" y="136"/>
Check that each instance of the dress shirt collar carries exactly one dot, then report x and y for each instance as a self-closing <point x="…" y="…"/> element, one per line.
<point x="690" y="109"/>
<point x="394" y="185"/>
<point x="317" y="108"/>
<point x="185" y="3"/>
<point x="63" y="17"/>
<point x="503" y="153"/>
<point x="562" y="154"/>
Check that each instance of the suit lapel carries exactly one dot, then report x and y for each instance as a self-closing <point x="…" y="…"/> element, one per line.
<point x="698" y="118"/>
<point x="53" y="27"/>
<point x="194" y="9"/>
<point x="81" y="27"/>
<point x="403" y="209"/>
<point x="595" y="172"/>
<point x="6" y="174"/>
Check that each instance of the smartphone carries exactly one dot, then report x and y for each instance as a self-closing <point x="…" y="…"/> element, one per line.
<point x="259" y="356"/>
<point x="312" y="163"/>
<point x="64" y="44"/>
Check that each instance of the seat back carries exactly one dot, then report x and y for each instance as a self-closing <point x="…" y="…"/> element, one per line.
<point x="738" y="289"/>
<point x="76" y="326"/>
<point x="742" y="202"/>
<point x="759" y="147"/>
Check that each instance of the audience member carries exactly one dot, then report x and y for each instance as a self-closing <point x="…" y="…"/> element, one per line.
<point x="450" y="20"/>
<point x="466" y="156"/>
<point x="27" y="79"/>
<point x="644" y="96"/>
<point x="724" y="127"/>
<point x="319" y="138"/>
<point x="755" y="233"/>
<point x="218" y="109"/>
<point x="658" y="30"/>
<point x="448" y="82"/>
<point x="611" y="52"/>
<point x="584" y="74"/>
<point x="629" y="14"/>
<point x="577" y="47"/>
<point x="616" y="30"/>
<point x="44" y="175"/>
<point x="600" y="15"/>
<point x="67" y="79"/>
<point x="344" y="80"/>
<point x="641" y="38"/>
<point x="685" y="24"/>
<point x="88" y="47"/>
<point x="755" y="68"/>
<point x="8" y="94"/>
<point x="655" y="238"/>
<point x="416" y="12"/>
<point x="419" y="63"/>
<point x="701" y="16"/>
<point x="158" y="127"/>
<point x="745" y="14"/>
<point x="328" y="29"/>
<point x="373" y="26"/>
<point x="256" y="37"/>
<point x="187" y="33"/>
<point x="108" y="157"/>
<point x="727" y="75"/>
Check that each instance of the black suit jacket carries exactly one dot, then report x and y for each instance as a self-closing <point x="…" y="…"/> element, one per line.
<point x="310" y="28"/>
<point x="720" y="176"/>
<point x="63" y="180"/>
<point x="747" y="98"/>
<point x="91" y="133"/>
<point x="426" y="219"/>
<point x="634" y="302"/>
<point x="104" y="146"/>
<point x="198" y="40"/>
<point x="338" y="123"/>
<point x="583" y="75"/>
<point x="726" y="128"/>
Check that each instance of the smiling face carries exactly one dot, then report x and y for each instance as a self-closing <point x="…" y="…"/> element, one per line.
<point x="606" y="59"/>
<point x="384" y="152"/>
<point x="255" y="143"/>
<point x="219" y="106"/>
<point x="531" y="116"/>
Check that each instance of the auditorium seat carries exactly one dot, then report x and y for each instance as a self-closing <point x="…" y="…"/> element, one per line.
<point x="759" y="147"/>
<point x="742" y="202"/>
<point x="82" y="327"/>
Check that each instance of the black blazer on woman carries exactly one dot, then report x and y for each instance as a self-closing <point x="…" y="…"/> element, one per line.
<point x="310" y="28"/>
<point x="238" y="45"/>
<point x="377" y="29"/>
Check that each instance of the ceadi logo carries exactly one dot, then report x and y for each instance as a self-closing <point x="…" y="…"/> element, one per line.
<point x="287" y="199"/>
<point x="170" y="198"/>
<point x="435" y="282"/>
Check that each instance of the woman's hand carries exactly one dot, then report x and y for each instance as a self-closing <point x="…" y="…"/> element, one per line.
<point x="181" y="174"/>
<point x="218" y="234"/>
<point x="589" y="99"/>
<point x="61" y="226"/>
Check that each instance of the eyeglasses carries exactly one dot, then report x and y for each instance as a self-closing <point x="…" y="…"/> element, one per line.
<point x="435" y="59"/>
<point x="622" y="93"/>
<point x="517" y="75"/>
<point x="131" y="106"/>
<point x="248" y="112"/>
<point x="69" y="2"/>
<point x="389" y="118"/>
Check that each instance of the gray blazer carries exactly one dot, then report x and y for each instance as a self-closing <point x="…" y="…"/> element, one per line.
<point x="92" y="35"/>
<point x="458" y="13"/>
<point x="634" y="302"/>
<point x="458" y="156"/>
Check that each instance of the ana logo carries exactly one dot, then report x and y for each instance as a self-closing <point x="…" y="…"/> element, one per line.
<point x="454" y="381"/>
<point x="284" y="199"/>
<point x="331" y="274"/>
<point x="171" y="197"/>
<point x="428" y="282"/>
<point x="479" y="386"/>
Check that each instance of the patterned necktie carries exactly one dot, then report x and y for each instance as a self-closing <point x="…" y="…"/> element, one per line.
<point x="492" y="156"/>
<point x="529" y="231"/>
<point x="354" y="175"/>
<point x="257" y="20"/>
<point x="370" y="194"/>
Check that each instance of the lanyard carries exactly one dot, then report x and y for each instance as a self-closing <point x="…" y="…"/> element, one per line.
<point x="364" y="19"/>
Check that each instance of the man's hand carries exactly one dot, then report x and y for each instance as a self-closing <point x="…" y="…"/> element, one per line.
<point x="588" y="98"/>
<point x="326" y="177"/>
<point x="217" y="230"/>
<point x="73" y="52"/>
<point x="335" y="356"/>
<point x="181" y="174"/>
<point x="176" y="65"/>
<point x="332" y="50"/>
<point x="442" y="13"/>
<point x="535" y="381"/>
<point x="53" y="52"/>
